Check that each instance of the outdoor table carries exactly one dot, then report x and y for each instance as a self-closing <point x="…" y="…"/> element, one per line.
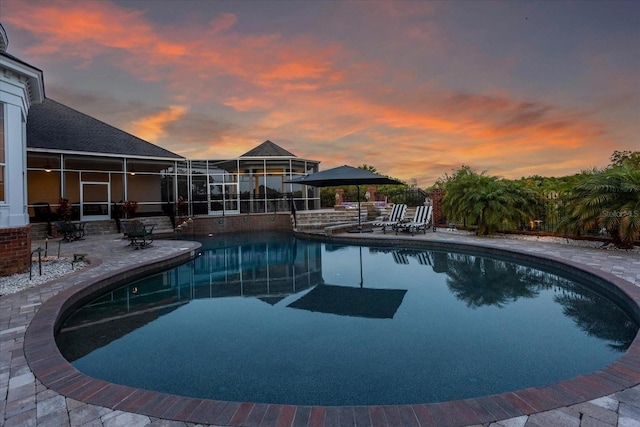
<point x="70" y="230"/>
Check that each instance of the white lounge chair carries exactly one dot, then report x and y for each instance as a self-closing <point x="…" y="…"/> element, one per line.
<point x="400" y="257"/>
<point x="397" y="214"/>
<point x="424" y="258"/>
<point x="421" y="221"/>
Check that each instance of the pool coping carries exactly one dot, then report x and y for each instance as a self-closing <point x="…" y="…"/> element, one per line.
<point x="50" y="368"/>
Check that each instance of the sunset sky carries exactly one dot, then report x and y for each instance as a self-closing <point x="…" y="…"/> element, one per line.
<point x="416" y="89"/>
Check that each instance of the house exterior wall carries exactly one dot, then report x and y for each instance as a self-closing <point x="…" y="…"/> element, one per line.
<point x="20" y="86"/>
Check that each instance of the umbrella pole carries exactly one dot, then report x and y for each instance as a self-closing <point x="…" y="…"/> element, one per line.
<point x="359" y="229"/>
<point x="361" y="279"/>
<point x="359" y="220"/>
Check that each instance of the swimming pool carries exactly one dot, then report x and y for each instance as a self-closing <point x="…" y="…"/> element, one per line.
<point x="249" y="321"/>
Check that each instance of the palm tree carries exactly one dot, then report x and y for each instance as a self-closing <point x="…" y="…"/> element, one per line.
<point x="608" y="199"/>
<point x="463" y="182"/>
<point x="488" y="282"/>
<point x="489" y="202"/>
<point x="597" y="316"/>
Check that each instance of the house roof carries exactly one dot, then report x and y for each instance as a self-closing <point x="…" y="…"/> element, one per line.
<point x="4" y="40"/>
<point x="268" y="149"/>
<point x="54" y="126"/>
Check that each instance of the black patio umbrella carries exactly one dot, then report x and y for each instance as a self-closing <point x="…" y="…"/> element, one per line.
<point x="348" y="301"/>
<point x="344" y="175"/>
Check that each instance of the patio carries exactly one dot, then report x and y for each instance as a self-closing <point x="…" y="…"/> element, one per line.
<point x="611" y="398"/>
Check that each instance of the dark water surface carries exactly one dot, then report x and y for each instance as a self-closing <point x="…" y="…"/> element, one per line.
<point x="271" y="318"/>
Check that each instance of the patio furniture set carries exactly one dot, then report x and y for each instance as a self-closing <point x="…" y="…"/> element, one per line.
<point x="140" y="235"/>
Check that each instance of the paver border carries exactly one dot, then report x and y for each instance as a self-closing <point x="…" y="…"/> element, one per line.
<point x="48" y="365"/>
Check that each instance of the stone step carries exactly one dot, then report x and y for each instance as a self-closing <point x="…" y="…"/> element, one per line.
<point x="319" y="219"/>
<point x="163" y="225"/>
<point x="100" y="227"/>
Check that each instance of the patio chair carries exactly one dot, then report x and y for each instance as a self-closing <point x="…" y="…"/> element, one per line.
<point x="421" y="221"/>
<point x="397" y="214"/>
<point x="140" y="235"/>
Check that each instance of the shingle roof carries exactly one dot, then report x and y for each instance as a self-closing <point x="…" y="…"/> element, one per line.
<point x="4" y="40"/>
<point x="268" y="149"/>
<point x="54" y="126"/>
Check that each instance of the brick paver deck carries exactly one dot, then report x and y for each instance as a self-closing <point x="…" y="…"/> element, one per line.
<point x="39" y="388"/>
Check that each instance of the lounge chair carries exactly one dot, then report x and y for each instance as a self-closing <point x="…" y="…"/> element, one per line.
<point x="400" y="257"/>
<point x="421" y="221"/>
<point x="397" y="214"/>
<point x="424" y="258"/>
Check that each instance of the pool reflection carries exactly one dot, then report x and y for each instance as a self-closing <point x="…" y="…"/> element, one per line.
<point x="272" y="269"/>
<point x="597" y="317"/>
<point x="480" y="281"/>
<point x="265" y="267"/>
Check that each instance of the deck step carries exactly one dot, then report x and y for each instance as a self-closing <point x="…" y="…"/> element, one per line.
<point x="319" y="219"/>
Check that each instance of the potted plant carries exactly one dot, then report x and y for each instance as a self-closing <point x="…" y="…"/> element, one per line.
<point x="181" y="206"/>
<point x="129" y="208"/>
<point x="64" y="210"/>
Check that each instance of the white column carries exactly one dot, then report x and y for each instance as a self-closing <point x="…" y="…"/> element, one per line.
<point x="13" y="212"/>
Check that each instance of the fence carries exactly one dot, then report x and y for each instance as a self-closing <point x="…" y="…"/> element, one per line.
<point x="410" y="197"/>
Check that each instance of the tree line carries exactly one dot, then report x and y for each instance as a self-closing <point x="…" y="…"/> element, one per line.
<point x="607" y="199"/>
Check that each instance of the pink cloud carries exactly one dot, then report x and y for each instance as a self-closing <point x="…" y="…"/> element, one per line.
<point x="153" y="127"/>
<point x="312" y="92"/>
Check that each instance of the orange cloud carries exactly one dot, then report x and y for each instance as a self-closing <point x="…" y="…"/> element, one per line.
<point x="313" y="93"/>
<point x="248" y="103"/>
<point x="152" y="128"/>
<point x="68" y="27"/>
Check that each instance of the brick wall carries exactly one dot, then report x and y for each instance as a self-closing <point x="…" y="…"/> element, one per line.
<point x="15" y="250"/>
<point x="234" y="223"/>
<point x="436" y="197"/>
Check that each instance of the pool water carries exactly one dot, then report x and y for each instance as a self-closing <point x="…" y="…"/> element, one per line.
<point x="271" y="318"/>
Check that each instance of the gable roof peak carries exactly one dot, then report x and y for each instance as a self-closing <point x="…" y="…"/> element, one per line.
<point x="268" y="149"/>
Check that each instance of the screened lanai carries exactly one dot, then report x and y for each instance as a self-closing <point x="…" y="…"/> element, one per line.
<point x="251" y="183"/>
<point x="96" y="186"/>
<point x="97" y="168"/>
